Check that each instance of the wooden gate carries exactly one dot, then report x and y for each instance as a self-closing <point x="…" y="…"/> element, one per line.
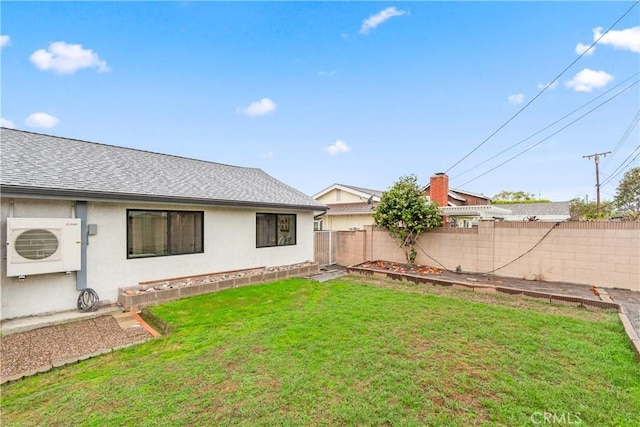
<point x="324" y="244"/>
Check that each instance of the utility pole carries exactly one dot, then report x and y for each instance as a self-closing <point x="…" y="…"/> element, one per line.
<point x="596" y="158"/>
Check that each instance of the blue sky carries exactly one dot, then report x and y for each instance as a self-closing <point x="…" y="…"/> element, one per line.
<point x="358" y="93"/>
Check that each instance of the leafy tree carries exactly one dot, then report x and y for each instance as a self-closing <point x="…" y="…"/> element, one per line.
<point x="580" y="210"/>
<point x="513" y="196"/>
<point x="627" y="198"/>
<point x="505" y="197"/>
<point x="405" y="212"/>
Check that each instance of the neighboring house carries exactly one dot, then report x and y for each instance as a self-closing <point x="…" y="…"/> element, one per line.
<point x="77" y="215"/>
<point x="461" y="208"/>
<point x="438" y="187"/>
<point x="549" y="211"/>
<point x="350" y="208"/>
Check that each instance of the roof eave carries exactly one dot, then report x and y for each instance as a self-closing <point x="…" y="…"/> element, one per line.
<point x="57" y="193"/>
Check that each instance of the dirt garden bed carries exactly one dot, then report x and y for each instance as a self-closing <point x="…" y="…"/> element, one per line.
<point x="566" y="294"/>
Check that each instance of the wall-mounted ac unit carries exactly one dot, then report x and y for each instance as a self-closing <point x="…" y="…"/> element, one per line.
<point x="42" y="245"/>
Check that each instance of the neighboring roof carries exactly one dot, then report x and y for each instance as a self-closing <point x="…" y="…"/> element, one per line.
<point x="549" y="208"/>
<point x="482" y="211"/>
<point x="360" y="191"/>
<point x="456" y="196"/>
<point x="44" y="165"/>
<point x="456" y="193"/>
<point x="351" y="208"/>
<point x="369" y="191"/>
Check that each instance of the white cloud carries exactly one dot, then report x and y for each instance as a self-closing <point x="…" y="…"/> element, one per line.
<point x="547" y="85"/>
<point x="67" y="58"/>
<point x="516" y="99"/>
<point x="258" y="108"/>
<point x="374" y="20"/>
<point x="6" y="123"/>
<point x="41" y="120"/>
<point x="327" y="73"/>
<point x="4" y="40"/>
<point x="628" y="39"/>
<point x="587" y="80"/>
<point x="582" y="48"/>
<point x="337" y="148"/>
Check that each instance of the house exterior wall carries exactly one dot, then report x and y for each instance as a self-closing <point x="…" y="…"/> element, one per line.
<point x="603" y="254"/>
<point x="229" y="244"/>
<point x="470" y="200"/>
<point x="41" y="293"/>
<point x="339" y="196"/>
<point x="346" y="222"/>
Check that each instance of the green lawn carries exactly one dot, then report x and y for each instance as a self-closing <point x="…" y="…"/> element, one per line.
<point x="348" y="352"/>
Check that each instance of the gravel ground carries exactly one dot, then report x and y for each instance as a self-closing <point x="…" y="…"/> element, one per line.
<point x="40" y="349"/>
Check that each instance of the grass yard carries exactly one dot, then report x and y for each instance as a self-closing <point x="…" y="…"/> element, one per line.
<point x="353" y="351"/>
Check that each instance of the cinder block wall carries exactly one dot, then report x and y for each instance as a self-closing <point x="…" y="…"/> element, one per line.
<point x="350" y="247"/>
<point x="604" y="254"/>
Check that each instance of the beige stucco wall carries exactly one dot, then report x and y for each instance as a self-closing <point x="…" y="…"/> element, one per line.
<point x="336" y="196"/>
<point x="350" y="246"/>
<point x="229" y="244"/>
<point x="603" y="254"/>
<point x="346" y="222"/>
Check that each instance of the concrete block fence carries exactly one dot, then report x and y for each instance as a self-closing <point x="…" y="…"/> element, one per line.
<point x="598" y="253"/>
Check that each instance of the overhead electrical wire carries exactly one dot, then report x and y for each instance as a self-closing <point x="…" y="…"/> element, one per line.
<point x="546" y="127"/>
<point x="553" y="134"/>
<point x="625" y="135"/>
<point x="623" y="166"/>
<point x="635" y="3"/>
<point x="623" y="138"/>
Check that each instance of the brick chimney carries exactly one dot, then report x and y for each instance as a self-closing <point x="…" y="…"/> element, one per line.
<point x="439" y="189"/>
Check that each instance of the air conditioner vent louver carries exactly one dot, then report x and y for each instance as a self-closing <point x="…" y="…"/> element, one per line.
<point x="43" y="245"/>
<point x="36" y="244"/>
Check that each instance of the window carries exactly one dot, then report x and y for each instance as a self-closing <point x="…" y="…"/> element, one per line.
<point x="160" y="233"/>
<point x="275" y="230"/>
<point x="317" y="225"/>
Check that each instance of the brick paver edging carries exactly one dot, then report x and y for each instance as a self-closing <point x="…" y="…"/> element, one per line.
<point x="493" y="289"/>
<point x="59" y="363"/>
<point x="152" y="293"/>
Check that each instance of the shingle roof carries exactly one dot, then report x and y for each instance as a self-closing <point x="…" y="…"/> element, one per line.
<point x="351" y="208"/>
<point x="48" y="165"/>
<point x="376" y="193"/>
<point x="548" y="208"/>
<point x="459" y="192"/>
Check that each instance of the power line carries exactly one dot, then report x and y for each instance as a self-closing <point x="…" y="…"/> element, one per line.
<point x="623" y="138"/>
<point x="622" y="166"/>
<point x="544" y="89"/>
<point x="547" y="127"/>
<point x="553" y="134"/>
<point x="625" y="135"/>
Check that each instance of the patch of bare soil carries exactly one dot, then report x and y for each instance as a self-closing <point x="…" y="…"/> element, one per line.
<point x="395" y="267"/>
<point x="493" y="299"/>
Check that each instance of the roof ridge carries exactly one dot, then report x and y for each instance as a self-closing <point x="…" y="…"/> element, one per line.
<point x="354" y="187"/>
